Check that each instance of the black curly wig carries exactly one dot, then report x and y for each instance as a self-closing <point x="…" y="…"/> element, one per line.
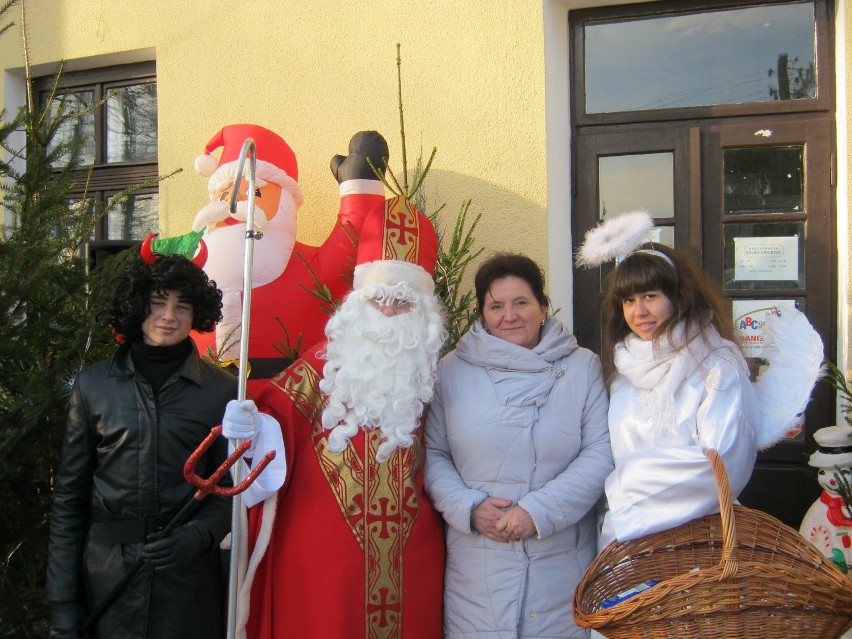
<point x="129" y="306"/>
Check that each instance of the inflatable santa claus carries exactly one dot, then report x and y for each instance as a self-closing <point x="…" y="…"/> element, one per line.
<point x="294" y="286"/>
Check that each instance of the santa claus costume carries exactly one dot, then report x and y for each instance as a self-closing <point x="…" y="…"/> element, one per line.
<point x="351" y="546"/>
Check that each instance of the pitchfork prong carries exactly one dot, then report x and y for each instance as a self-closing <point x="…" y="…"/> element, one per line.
<point x="243" y="485"/>
<point x="211" y="484"/>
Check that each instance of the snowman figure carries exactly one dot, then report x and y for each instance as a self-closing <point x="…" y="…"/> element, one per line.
<point x="828" y="522"/>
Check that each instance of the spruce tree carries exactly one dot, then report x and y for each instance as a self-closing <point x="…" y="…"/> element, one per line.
<point x="47" y="333"/>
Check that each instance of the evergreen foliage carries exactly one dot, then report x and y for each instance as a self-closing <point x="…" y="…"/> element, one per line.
<point x="455" y="251"/>
<point x="47" y="333"/>
<point x="454" y="255"/>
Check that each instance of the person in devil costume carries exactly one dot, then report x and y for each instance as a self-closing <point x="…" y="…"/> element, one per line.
<point x="133" y="421"/>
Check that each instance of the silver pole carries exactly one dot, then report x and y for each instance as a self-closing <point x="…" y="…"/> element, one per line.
<point x="235" y="579"/>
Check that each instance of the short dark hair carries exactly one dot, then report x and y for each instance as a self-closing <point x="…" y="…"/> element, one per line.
<point x="503" y="265"/>
<point x="697" y="301"/>
<point x="130" y="304"/>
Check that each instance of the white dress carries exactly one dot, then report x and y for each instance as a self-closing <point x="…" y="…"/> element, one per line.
<point x="665" y="410"/>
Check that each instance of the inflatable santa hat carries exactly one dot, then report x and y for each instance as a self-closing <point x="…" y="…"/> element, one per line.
<point x="276" y="161"/>
<point x="399" y="246"/>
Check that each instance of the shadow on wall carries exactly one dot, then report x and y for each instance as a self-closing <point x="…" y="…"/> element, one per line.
<point x="510" y="222"/>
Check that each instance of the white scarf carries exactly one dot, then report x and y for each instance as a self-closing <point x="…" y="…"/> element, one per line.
<point x="658" y="367"/>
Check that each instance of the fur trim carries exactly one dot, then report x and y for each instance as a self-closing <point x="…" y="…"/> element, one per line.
<point x="393" y="272"/>
<point x="205" y="165"/>
<point x="270" y="506"/>
<point x="616" y="237"/>
<point x="795" y="355"/>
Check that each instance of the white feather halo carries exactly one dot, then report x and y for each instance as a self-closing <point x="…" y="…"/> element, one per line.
<point x="616" y="237"/>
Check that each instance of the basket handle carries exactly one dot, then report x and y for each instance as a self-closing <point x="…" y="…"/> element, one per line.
<point x="730" y="549"/>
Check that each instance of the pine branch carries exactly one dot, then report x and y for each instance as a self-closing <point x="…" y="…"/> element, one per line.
<point x="453" y="257"/>
<point x="401" y="118"/>
<point x="291" y="352"/>
<point x="838" y="382"/>
<point x="844" y="490"/>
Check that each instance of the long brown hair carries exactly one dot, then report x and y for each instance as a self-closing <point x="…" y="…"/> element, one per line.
<point x="697" y="301"/>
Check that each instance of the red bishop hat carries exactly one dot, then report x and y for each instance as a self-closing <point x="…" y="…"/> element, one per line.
<point x="399" y="246"/>
<point x="276" y="161"/>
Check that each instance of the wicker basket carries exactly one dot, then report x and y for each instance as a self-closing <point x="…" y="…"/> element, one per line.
<point x="755" y="578"/>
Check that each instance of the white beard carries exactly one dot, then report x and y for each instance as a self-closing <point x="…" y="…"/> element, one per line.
<point x="226" y="246"/>
<point x="380" y="371"/>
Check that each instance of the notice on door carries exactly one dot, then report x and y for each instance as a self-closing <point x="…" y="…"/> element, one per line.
<point x="766" y="258"/>
<point x="750" y="318"/>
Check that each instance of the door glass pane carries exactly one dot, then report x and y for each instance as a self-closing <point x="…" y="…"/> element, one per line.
<point x="765" y="255"/>
<point x="764" y="180"/>
<point x="133" y="217"/>
<point x="753" y="54"/>
<point x="79" y="129"/>
<point x="639" y="181"/>
<point x="131" y="114"/>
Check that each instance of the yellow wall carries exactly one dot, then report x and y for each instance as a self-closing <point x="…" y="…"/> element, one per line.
<point x="316" y="71"/>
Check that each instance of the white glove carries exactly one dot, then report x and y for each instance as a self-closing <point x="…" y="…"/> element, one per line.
<point x="241" y="420"/>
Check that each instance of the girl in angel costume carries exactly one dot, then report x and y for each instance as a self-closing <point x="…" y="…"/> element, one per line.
<point x="679" y="383"/>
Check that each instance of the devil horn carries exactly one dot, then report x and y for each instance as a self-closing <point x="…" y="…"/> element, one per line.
<point x="146" y="252"/>
<point x="201" y="257"/>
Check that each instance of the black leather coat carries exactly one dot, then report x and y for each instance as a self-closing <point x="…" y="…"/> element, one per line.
<point x="120" y="477"/>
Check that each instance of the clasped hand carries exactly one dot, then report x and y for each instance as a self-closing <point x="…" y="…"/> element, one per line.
<point x="498" y="520"/>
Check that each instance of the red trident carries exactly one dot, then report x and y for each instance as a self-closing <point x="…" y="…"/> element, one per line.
<point x="211" y="484"/>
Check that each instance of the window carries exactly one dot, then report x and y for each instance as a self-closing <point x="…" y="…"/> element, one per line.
<point x="119" y="142"/>
<point x="726" y="56"/>
<point x="700" y="58"/>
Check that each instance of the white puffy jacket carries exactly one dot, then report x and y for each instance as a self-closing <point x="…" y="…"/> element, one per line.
<point x="528" y="425"/>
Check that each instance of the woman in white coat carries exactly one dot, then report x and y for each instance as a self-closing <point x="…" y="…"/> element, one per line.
<point x="517" y="454"/>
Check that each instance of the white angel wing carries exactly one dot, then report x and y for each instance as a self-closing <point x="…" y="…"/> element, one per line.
<point x="794" y="351"/>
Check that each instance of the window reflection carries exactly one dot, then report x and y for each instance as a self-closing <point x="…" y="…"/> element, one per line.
<point x="754" y="54"/>
<point x="764" y="180"/>
<point x="131" y="113"/>
<point x="636" y="181"/>
<point x="74" y="130"/>
<point x="133" y="217"/>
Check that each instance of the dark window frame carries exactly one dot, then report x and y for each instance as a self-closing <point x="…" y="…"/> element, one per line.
<point x="621" y="13"/>
<point x="101" y="180"/>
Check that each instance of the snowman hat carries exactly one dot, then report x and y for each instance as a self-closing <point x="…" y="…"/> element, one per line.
<point x="835" y="447"/>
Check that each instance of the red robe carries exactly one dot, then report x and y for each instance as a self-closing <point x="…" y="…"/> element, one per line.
<point x="356" y="548"/>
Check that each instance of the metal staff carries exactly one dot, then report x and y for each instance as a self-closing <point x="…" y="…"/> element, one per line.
<point x="235" y="578"/>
